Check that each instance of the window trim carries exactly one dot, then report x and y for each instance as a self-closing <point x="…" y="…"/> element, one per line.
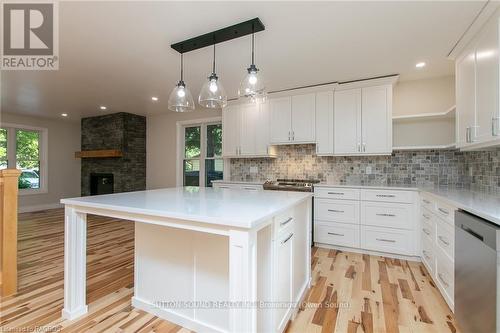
<point x="43" y="154"/>
<point x="181" y="125"/>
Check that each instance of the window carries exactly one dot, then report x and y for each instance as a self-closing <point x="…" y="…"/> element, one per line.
<point x="22" y="147"/>
<point x="202" y="154"/>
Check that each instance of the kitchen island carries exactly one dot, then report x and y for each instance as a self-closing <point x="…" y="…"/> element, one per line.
<point x="207" y="259"/>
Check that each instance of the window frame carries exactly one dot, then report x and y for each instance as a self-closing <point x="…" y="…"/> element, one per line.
<point x="181" y="126"/>
<point x="43" y="152"/>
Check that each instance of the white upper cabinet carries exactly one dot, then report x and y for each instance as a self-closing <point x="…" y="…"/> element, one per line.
<point x="363" y="121"/>
<point x="324" y="123"/>
<point x="293" y="119"/>
<point x="303" y="118"/>
<point x="477" y="89"/>
<point x="347" y="122"/>
<point x="281" y="119"/>
<point x="245" y="129"/>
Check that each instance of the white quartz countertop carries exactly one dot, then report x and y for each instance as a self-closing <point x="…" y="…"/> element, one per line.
<point x="230" y="207"/>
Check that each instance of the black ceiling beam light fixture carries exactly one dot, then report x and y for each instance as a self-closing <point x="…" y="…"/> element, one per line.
<point x="219" y="36"/>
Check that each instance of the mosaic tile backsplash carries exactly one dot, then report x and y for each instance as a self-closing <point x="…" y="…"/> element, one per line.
<point x="476" y="170"/>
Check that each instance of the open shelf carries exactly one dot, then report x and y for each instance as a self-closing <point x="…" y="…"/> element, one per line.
<point x="450" y="113"/>
<point x="99" y="153"/>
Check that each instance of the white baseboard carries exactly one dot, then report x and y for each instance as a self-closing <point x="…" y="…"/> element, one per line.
<point x="176" y="318"/>
<point x="36" y="208"/>
<point x="370" y="252"/>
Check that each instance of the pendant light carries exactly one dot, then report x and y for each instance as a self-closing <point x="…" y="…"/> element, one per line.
<point x="180" y="99"/>
<point x="252" y="86"/>
<point x="212" y="94"/>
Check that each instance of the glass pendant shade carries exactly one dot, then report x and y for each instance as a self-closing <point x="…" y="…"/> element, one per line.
<point x="212" y="94"/>
<point x="180" y="99"/>
<point x="252" y="86"/>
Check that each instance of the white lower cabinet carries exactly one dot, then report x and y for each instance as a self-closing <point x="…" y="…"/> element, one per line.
<point x="382" y="220"/>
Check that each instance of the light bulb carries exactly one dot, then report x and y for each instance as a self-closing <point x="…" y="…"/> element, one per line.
<point x="252" y="79"/>
<point x="213" y="86"/>
<point x="181" y="92"/>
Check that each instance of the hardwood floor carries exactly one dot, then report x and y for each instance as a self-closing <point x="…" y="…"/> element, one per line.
<point x="375" y="294"/>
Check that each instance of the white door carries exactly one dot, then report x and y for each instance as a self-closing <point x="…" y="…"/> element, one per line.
<point x="281" y="120"/>
<point x="230" y="130"/>
<point x="466" y="100"/>
<point x="376" y="121"/>
<point x="249" y="120"/>
<point x="487" y="58"/>
<point x="262" y="130"/>
<point x="283" y="281"/>
<point x="303" y="118"/>
<point x="324" y="122"/>
<point x="347" y="122"/>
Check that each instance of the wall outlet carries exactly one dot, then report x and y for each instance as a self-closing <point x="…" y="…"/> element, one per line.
<point x="254" y="169"/>
<point x="368" y="170"/>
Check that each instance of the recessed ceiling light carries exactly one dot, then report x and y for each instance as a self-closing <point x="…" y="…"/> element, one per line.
<point x="64" y="114"/>
<point x="154" y="98"/>
<point x="102" y="107"/>
<point x="420" y="64"/>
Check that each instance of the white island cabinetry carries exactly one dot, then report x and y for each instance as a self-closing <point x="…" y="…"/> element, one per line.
<point x="205" y="258"/>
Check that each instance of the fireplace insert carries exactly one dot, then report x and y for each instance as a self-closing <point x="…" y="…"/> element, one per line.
<point x="101" y="183"/>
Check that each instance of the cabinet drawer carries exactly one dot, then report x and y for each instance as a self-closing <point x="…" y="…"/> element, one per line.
<point x="445" y="277"/>
<point x="387" y="196"/>
<point x="344" y="211"/>
<point x="336" y="234"/>
<point x="284" y="221"/>
<point x="387" y="240"/>
<point x="383" y="214"/>
<point x="428" y="255"/>
<point x="445" y="211"/>
<point x="445" y="238"/>
<point x="428" y="226"/>
<point x="336" y="193"/>
<point x="427" y="202"/>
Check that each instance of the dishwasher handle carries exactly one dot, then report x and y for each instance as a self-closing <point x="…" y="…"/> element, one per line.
<point x="472" y="232"/>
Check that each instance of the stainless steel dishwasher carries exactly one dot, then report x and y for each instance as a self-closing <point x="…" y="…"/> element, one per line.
<point x="476" y="277"/>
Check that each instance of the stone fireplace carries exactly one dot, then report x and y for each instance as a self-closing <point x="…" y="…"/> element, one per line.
<point x="124" y="132"/>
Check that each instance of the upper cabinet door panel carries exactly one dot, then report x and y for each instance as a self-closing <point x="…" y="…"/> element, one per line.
<point x="281" y="117"/>
<point x="249" y="120"/>
<point x="230" y="130"/>
<point x="262" y="130"/>
<point x="303" y="118"/>
<point x="487" y="88"/>
<point x="466" y="99"/>
<point x="376" y="120"/>
<point x="347" y="121"/>
<point x="324" y="122"/>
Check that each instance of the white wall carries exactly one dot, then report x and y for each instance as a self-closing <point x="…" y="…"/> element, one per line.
<point x="161" y="145"/>
<point x="63" y="167"/>
<point x="424" y="96"/>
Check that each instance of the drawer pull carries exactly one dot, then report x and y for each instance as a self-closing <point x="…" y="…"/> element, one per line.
<point x="286" y="222"/>
<point x="223" y="186"/>
<point x="443" y="280"/>
<point x="427" y="232"/>
<point x="335" y="211"/>
<point x="287" y="239"/>
<point x="426" y="254"/>
<point x="426" y="201"/>
<point x="427" y="217"/>
<point x="250" y="188"/>
<point x="336" y="193"/>
<point x="386" y="240"/>
<point x="443" y="240"/>
<point x="444" y="211"/>
<point x="334" y="234"/>
<point x="386" y="215"/>
<point x="386" y="195"/>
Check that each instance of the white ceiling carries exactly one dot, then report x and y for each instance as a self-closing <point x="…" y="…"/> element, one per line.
<point x="118" y="53"/>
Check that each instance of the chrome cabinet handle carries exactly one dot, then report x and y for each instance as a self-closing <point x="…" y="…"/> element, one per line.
<point x="335" y="211"/>
<point x="426" y="231"/>
<point x="223" y="186"/>
<point x="467" y="134"/>
<point x="250" y="188"/>
<point x="425" y="254"/>
<point x="443" y="240"/>
<point x="286" y="222"/>
<point x="364" y="147"/>
<point x="443" y="280"/>
<point x="334" y="234"/>
<point x="289" y="136"/>
<point x="287" y="239"/>
<point x="444" y="211"/>
<point x="293" y="135"/>
<point x="336" y="193"/>
<point x="426" y="217"/>
<point x="426" y="201"/>
<point x="494" y="126"/>
<point x="386" y="215"/>
<point x="359" y="147"/>
<point x="386" y="240"/>
<point x="385" y="195"/>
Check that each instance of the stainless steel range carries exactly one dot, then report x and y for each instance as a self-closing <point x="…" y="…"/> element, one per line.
<point x="298" y="185"/>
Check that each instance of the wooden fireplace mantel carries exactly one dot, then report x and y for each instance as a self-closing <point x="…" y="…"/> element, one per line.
<point x="98" y="153"/>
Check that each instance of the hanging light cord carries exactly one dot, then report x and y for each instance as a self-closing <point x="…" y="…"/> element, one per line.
<point x="253" y="41"/>
<point x="182" y="66"/>
<point x="214" y="59"/>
